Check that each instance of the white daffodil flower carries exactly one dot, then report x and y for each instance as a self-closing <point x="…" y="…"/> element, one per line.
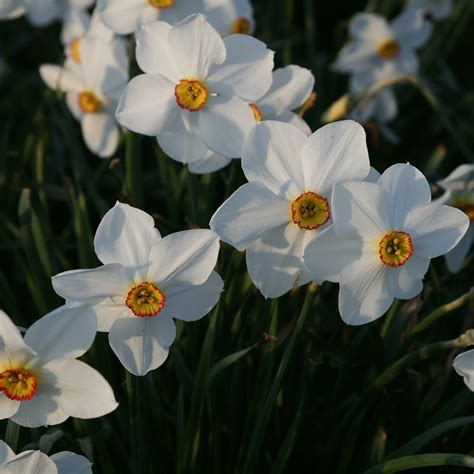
<point x="379" y="47"/>
<point x="438" y="9"/>
<point x="145" y="282"/>
<point x="128" y="16"/>
<point x="459" y="187"/>
<point x="41" y="382"/>
<point x="40" y="12"/>
<point x="93" y="87"/>
<point x="291" y="87"/>
<point x="230" y="16"/>
<point x="383" y="238"/>
<point x="196" y="88"/>
<point x="36" y="462"/>
<point x="464" y="366"/>
<point x="287" y="201"/>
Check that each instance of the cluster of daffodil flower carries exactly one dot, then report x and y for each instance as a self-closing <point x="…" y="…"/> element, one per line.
<point x="313" y="208"/>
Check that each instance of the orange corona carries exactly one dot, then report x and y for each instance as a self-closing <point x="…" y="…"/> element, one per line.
<point x="145" y="300"/>
<point x="161" y="4"/>
<point x="18" y="384"/>
<point x="88" y="102"/>
<point x="388" y="49"/>
<point x="191" y="94"/>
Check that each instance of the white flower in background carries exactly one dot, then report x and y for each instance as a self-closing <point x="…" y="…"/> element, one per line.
<point x="145" y="282"/>
<point x="230" y="16"/>
<point x="36" y="462"/>
<point x="287" y="201"/>
<point x="459" y="187"/>
<point x="383" y="238"/>
<point x="379" y="47"/>
<point x="195" y="92"/>
<point x="291" y="87"/>
<point x="438" y="9"/>
<point x="41" y="382"/>
<point x="464" y="366"/>
<point x="40" y="12"/>
<point x="128" y="16"/>
<point x="93" y="88"/>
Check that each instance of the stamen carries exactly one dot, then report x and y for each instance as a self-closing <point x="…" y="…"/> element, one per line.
<point x="310" y="211"/>
<point x="395" y="248"/>
<point x="18" y="384"/>
<point x="191" y="94"/>
<point x="145" y="300"/>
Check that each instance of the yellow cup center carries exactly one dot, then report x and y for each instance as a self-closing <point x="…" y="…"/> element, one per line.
<point x="74" y="50"/>
<point x="18" y="384"/>
<point x="388" y="49"/>
<point x="88" y="102"/>
<point x="161" y="4"/>
<point x="145" y="300"/>
<point x="257" y="113"/>
<point x="191" y="94"/>
<point x="395" y="248"/>
<point x="310" y="211"/>
<point x="241" y="25"/>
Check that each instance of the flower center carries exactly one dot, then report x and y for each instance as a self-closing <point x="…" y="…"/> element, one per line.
<point x="161" y="4"/>
<point x="88" y="102"/>
<point x="395" y="248"/>
<point x="388" y="49"/>
<point x="145" y="300"/>
<point x="191" y="94"/>
<point x="241" y="25"/>
<point x="18" y="384"/>
<point x="465" y="206"/>
<point x="74" y="50"/>
<point x="310" y="211"/>
<point x="257" y="113"/>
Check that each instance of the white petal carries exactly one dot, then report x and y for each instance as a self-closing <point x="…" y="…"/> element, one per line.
<point x="6" y="454"/>
<point x="190" y="303"/>
<point x="291" y="86"/>
<point x="364" y="293"/>
<point x="41" y="13"/>
<point x="11" y="9"/>
<point x="411" y="28"/>
<point x="142" y="344"/>
<point x="271" y="156"/>
<point x="7" y="407"/>
<point x="10" y="337"/>
<point x="386" y="108"/>
<point x="357" y="57"/>
<point x="292" y="119"/>
<point x="79" y="389"/>
<point x="406" y="187"/>
<point x="148" y="105"/>
<point x="407" y="281"/>
<point x="326" y="255"/>
<point x="198" y="43"/>
<point x="209" y="163"/>
<point x="68" y="332"/>
<point x="373" y="175"/>
<point x="61" y="78"/>
<point x="274" y="262"/>
<point x="455" y="257"/>
<point x="369" y="27"/>
<point x="248" y="213"/>
<point x="81" y="285"/>
<point x="30" y="462"/>
<point x="125" y="16"/>
<point x="224" y="124"/>
<point x="247" y="69"/>
<point x="464" y="366"/>
<point x="75" y="24"/>
<point x="100" y="133"/>
<point x="335" y="153"/>
<point x="360" y="209"/>
<point x="435" y="229"/>
<point x="72" y="101"/>
<point x="184" y="257"/>
<point x="125" y="235"/>
<point x="71" y="463"/>
<point x="460" y="179"/>
<point x="108" y="310"/>
<point x="406" y="62"/>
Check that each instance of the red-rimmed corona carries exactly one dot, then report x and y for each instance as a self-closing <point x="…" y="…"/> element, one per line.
<point x="191" y="94"/>
<point x="161" y="4"/>
<point x="145" y="300"/>
<point x="18" y="384"/>
<point x="310" y="211"/>
<point x="395" y="248"/>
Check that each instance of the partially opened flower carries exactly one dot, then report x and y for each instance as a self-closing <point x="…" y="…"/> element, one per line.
<point x="383" y="238"/>
<point x="291" y="87"/>
<point x="93" y="83"/>
<point x="377" y="44"/>
<point x="195" y="93"/>
<point x="438" y="9"/>
<point x="128" y="16"/>
<point x="459" y="187"/>
<point x="145" y="282"/>
<point x="464" y="366"/>
<point x="41" y="382"/>
<point x="230" y="16"/>
<point x="287" y="201"/>
<point x="36" y="462"/>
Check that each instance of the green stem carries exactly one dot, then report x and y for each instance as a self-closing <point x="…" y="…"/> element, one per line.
<point x="389" y="318"/>
<point x="133" y="179"/>
<point x="12" y="434"/>
<point x="135" y="421"/>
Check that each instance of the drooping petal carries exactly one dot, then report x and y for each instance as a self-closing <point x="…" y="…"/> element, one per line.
<point x="274" y="262"/>
<point x="271" y="156"/>
<point x="335" y="153"/>
<point x="6" y="454"/>
<point x="125" y="235"/>
<point x="30" y="462"/>
<point x="184" y="257"/>
<point x="7" y="407"/>
<point x="435" y="229"/>
<point x="464" y="366"/>
<point x="247" y="68"/>
<point x="71" y="463"/>
<point x="248" y="213"/>
<point x="100" y="133"/>
<point x="364" y="293"/>
<point x="61" y="78"/>
<point x="68" y="332"/>
<point x="407" y="281"/>
<point x="455" y="258"/>
<point x="406" y="187"/>
<point x="142" y="344"/>
<point x="192" y="302"/>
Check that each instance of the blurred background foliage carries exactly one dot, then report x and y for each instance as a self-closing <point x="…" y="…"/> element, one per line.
<point x="256" y="386"/>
